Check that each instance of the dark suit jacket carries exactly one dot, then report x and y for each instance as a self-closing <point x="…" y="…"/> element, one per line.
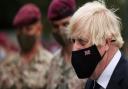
<point x="119" y="78"/>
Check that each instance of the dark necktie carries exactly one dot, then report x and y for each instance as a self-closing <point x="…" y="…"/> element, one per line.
<point x="95" y="85"/>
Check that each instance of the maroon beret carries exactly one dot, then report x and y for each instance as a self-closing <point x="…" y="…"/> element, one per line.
<point x="27" y="15"/>
<point x="59" y="9"/>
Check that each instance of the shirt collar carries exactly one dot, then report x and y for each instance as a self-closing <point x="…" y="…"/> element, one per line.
<point x="104" y="78"/>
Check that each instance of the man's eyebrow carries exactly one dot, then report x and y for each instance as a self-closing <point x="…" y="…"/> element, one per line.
<point x="83" y="38"/>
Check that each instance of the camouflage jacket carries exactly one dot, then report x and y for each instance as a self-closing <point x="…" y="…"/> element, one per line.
<point x="16" y="75"/>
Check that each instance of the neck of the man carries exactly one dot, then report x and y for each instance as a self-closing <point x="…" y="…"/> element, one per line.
<point x="27" y="57"/>
<point x="66" y="52"/>
<point x="104" y="62"/>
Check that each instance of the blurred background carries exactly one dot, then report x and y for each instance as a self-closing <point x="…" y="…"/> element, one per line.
<point x="8" y="9"/>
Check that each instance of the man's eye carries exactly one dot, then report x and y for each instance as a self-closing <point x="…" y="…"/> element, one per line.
<point x="28" y="28"/>
<point x="73" y="40"/>
<point x="82" y="42"/>
<point x="65" y="24"/>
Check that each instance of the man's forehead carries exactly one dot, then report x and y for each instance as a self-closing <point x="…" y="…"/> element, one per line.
<point x="82" y="34"/>
<point x="79" y="37"/>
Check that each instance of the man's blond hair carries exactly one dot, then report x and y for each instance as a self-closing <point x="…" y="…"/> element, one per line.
<point x="100" y="23"/>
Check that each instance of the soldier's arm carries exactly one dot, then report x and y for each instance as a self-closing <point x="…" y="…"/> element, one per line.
<point x="52" y="73"/>
<point x="75" y="83"/>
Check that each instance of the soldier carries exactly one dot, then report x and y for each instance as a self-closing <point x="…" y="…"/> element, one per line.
<point x="7" y="48"/>
<point x="8" y="51"/>
<point x="61" y="75"/>
<point x="4" y="48"/>
<point x="29" y="69"/>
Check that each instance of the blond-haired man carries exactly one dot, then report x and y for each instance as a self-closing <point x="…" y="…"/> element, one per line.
<point x="95" y="32"/>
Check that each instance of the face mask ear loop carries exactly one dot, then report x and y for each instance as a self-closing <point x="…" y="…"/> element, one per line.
<point x="103" y="55"/>
<point x="107" y="55"/>
<point x="105" y="51"/>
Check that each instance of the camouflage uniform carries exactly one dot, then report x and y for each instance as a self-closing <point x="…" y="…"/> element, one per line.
<point x="62" y="76"/>
<point x="16" y="75"/>
<point x="5" y="80"/>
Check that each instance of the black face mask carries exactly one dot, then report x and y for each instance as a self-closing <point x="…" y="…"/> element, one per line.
<point x="85" y="61"/>
<point x="26" y="42"/>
